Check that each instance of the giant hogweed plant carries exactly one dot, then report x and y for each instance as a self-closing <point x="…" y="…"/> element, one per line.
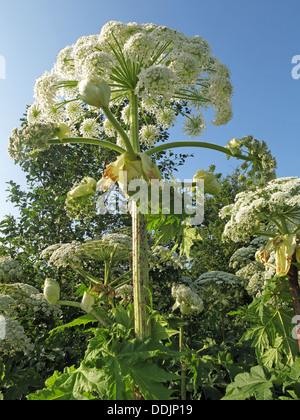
<point x="123" y="75"/>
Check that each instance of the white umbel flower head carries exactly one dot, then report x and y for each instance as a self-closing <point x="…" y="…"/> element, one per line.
<point x="149" y="135"/>
<point x="46" y="90"/>
<point x="90" y="128"/>
<point x="186" y="300"/>
<point x="194" y="125"/>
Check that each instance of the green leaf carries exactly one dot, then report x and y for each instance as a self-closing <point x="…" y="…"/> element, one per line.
<point x="73" y="384"/>
<point x="83" y="320"/>
<point x="257" y="384"/>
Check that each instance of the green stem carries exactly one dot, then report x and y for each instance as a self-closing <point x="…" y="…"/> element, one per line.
<point x="284" y="225"/>
<point x="140" y="273"/>
<point x="120" y="278"/>
<point x="296" y="229"/>
<point x="121" y="131"/>
<point x="68" y="303"/>
<point x="134" y="119"/>
<point x="86" y="275"/>
<point x="95" y="142"/>
<point x="106" y="271"/>
<point x="204" y="145"/>
<point x="183" y="365"/>
<point x="93" y="313"/>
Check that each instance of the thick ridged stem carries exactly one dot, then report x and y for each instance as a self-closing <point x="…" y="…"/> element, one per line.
<point x="140" y="273"/>
<point x="295" y="293"/>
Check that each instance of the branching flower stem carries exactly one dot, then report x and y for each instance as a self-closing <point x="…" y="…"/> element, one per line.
<point x="95" y="142"/>
<point x="201" y="144"/>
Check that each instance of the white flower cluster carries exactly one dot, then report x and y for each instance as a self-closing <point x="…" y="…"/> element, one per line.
<point x="114" y="246"/>
<point x="245" y="255"/>
<point x="163" y="66"/>
<point x="34" y="137"/>
<point x="218" y="278"/>
<point x="63" y="255"/>
<point x="257" y="275"/>
<point x="10" y="269"/>
<point x="186" y="300"/>
<point x="111" y="247"/>
<point x="160" y="257"/>
<point x="15" y="338"/>
<point x="125" y="293"/>
<point x="15" y="301"/>
<point x="253" y="211"/>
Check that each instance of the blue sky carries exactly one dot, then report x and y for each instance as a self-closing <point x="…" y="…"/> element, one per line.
<point x="256" y="40"/>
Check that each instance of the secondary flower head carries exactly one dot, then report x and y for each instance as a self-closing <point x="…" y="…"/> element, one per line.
<point x="186" y="300"/>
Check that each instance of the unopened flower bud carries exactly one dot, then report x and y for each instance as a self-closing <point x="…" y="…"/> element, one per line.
<point x="234" y="145"/>
<point x="95" y="92"/>
<point x="52" y="291"/>
<point x="86" y="187"/>
<point x="63" y="131"/>
<point x="211" y="184"/>
<point x="87" y="302"/>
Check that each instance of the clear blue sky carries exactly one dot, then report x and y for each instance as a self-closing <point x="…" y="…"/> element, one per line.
<point x="256" y="39"/>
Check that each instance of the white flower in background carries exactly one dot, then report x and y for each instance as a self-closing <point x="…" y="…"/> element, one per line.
<point x="149" y="135"/>
<point x="34" y="114"/>
<point x="46" y="90"/>
<point x="64" y="65"/>
<point x="166" y="117"/>
<point x="218" y="277"/>
<point x="194" y="125"/>
<point x="10" y="269"/>
<point x="63" y="255"/>
<point x="186" y="300"/>
<point x="15" y="338"/>
<point x="161" y="257"/>
<point x="90" y="128"/>
<point x="254" y="211"/>
<point x="109" y="129"/>
<point x="75" y="110"/>
<point x="125" y="293"/>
